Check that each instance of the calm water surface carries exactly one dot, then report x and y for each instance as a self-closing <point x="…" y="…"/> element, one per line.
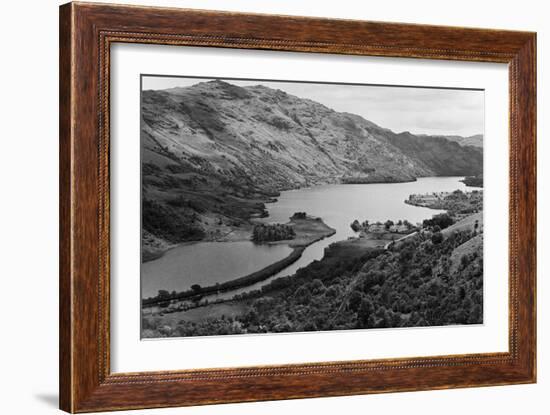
<point x="206" y="263"/>
<point x="338" y="205"/>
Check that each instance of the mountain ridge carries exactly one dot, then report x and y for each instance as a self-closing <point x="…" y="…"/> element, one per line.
<point x="213" y="153"/>
<point x="475" y="140"/>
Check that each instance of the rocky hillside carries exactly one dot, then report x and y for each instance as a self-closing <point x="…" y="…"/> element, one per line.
<point x="473" y="140"/>
<point x="277" y="140"/>
<point x="213" y="153"/>
<point x="442" y="156"/>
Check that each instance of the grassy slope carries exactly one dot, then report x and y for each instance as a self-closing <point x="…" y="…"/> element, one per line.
<point x="466" y="224"/>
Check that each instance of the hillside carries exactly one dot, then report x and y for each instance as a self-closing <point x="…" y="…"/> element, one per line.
<point x="277" y="140"/>
<point x="214" y="153"/>
<point x="417" y="284"/>
<point x="441" y="155"/>
<point x="473" y="140"/>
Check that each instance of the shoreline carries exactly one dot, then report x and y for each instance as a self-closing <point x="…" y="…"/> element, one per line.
<point x="298" y="245"/>
<point x="157" y="254"/>
<point x="152" y="255"/>
<point x="367" y="180"/>
<point x="348" y="250"/>
<point x="240" y="282"/>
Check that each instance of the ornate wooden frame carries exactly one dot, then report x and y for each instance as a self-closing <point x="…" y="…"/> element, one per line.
<point x="86" y="33"/>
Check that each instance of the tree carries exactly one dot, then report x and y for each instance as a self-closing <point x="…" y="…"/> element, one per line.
<point x="196" y="288"/>
<point x="163" y="294"/>
<point x="421" y="322"/>
<point x="263" y="305"/>
<point x="317" y="287"/>
<point x="354" y="301"/>
<point x="364" y="313"/>
<point x="385" y="294"/>
<point x="302" y="295"/>
<point x="396" y="320"/>
<point x="310" y="326"/>
<point x="332" y="292"/>
<point x="464" y="261"/>
<point x="437" y="238"/>
<point x="406" y="255"/>
<point x="355" y="226"/>
<point x="371" y="322"/>
<point x="388" y="224"/>
<point x="251" y="318"/>
<point x="385" y="318"/>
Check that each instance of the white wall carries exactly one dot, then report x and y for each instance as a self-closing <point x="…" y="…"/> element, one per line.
<point x="28" y="231"/>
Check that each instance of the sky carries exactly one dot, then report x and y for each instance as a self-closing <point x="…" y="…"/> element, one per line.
<point x="415" y="109"/>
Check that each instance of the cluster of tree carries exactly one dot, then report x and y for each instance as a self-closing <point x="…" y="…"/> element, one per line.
<point x="438" y="222"/>
<point x="272" y="232"/>
<point x="357" y="226"/>
<point x="412" y="286"/>
<point x="299" y="215"/>
<point x="156" y="327"/>
<point x="457" y="202"/>
<point x="389" y="225"/>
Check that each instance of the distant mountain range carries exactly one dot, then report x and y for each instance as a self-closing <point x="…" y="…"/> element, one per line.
<point x="216" y="149"/>
<point x="473" y="140"/>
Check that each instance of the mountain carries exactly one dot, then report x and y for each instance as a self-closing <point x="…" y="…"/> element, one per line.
<point x="473" y="140"/>
<point x="214" y="153"/>
<point x="443" y="156"/>
<point x="277" y="140"/>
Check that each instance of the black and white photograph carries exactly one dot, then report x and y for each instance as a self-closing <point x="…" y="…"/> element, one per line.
<point x="277" y="206"/>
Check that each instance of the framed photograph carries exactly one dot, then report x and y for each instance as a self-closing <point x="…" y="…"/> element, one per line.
<point x="260" y="207"/>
